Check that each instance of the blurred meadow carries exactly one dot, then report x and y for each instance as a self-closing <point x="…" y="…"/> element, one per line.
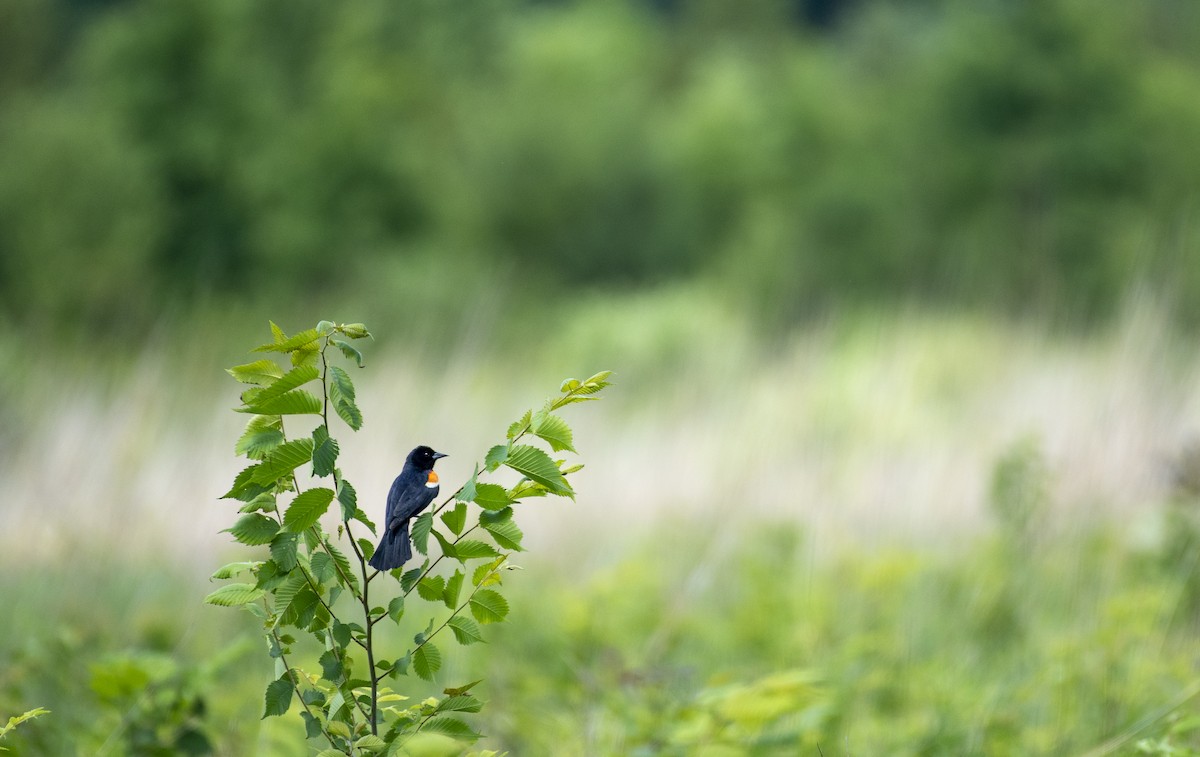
<point x="901" y="296"/>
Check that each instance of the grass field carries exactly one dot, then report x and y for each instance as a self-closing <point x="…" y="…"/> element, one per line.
<point x="892" y="533"/>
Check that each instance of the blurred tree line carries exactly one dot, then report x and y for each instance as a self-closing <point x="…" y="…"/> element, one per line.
<point x="796" y="154"/>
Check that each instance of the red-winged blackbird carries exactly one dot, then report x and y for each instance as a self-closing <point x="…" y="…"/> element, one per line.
<point x="411" y="492"/>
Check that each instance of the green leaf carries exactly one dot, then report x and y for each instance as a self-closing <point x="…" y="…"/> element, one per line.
<point x="554" y="430"/>
<point x="447" y="546"/>
<point x="325" y="328"/>
<point x="295" y="402"/>
<point x="427" y="661"/>
<point x="292" y="379"/>
<point x="343" y="566"/>
<point x="431" y="588"/>
<point x="287" y="591"/>
<point x="262" y="435"/>
<point x="355" y="330"/>
<point x="264" y="502"/>
<point x="482" y="571"/>
<point x="282" y="460"/>
<point x="283" y="551"/>
<point x="466" y="631"/>
<point x="361" y="517"/>
<point x="503" y="528"/>
<point x="395" y="609"/>
<point x="460" y="703"/>
<point x="234" y="595"/>
<point x="302" y="339"/>
<point x="343" y="404"/>
<point x="332" y="668"/>
<point x="242" y="485"/>
<point x="452" y="727"/>
<point x="277" y="333"/>
<point x="307" y="509"/>
<point x="467" y="492"/>
<point x="496" y="457"/>
<point x="323" y="567"/>
<point x="325" y="452"/>
<point x="471" y="549"/>
<point x="519" y="426"/>
<point x="254" y="529"/>
<point x="260" y="372"/>
<point x="455" y="518"/>
<point x="537" y="466"/>
<point x="233" y="569"/>
<point x="420" y="532"/>
<point x="453" y="585"/>
<point x="370" y="743"/>
<point x="491" y="496"/>
<point x="348" y="499"/>
<point x="569" y="385"/>
<point x="409" y="578"/>
<point x="278" y="697"/>
<point x="341" y="634"/>
<point x="488" y="606"/>
<point x="340" y="380"/>
<point x="456" y="691"/>
<point x="349" y="351"/>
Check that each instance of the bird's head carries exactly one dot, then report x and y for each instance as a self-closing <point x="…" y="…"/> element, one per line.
<point x="422" y="458"/>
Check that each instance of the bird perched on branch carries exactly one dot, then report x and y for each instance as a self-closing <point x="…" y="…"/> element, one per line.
<point x="411" y="492"/>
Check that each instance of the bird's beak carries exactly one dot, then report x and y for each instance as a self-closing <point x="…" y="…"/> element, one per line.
<point x="439" y="455"/>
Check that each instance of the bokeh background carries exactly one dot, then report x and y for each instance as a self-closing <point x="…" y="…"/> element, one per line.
<point x="901" y="296"/>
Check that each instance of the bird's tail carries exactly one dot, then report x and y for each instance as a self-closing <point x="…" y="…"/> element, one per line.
<point x="393" y="551"/>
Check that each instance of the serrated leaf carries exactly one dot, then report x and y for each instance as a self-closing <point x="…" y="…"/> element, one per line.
<point x="448" y="548"/>
<point x="431" y="588"/>
<point x="332" y="668"/>
<point x="260" y="372"/>
<point x="242" y="483"/>
<point x="277" y="333"/>
<point x="348" y="499"/>
<point x="262" y="435"/>
<point x="322" y="567"/>
<point x="370" y="743"/>
<point x="234" y="595"/>
<point x="452" y="727"/>
<point x="345" y="408"/>
<point x="420" y="532"/>
<point x="234" y="568"/>
<point x="287" y="591"/>
<point x="340" y="380"/>
<point x="554" y="430"/>
<point x="491" y="496"/>
<point x="467" y="492"/>
<point x="460" y="703"/>
<point x="349" y="351"/>
<point x="395" y="609"/>
<point x="295" y="402"/>
<point x="307" y="509"/>
<point x="278" y="697"/>
<point x="537" y="466"/>
<point x="489" y="606"/>
<point x="361" y="517"/>
<point x="254" y="529"/>
<point x="283" y="551"/>
<point x="325" y="452"/>
<point x="455" y="518"/>
<point x="427" y="661"/>
<point x="495" y="457"/>
<point x="453" y="585"/>
<point x="282" y="460"/>
<point x="482" y="571"/>
<point x="296" y="342"/>
<point x="503" y="528"/>
<point x="519" y="426"/>
<point x="409" y="578"/>
<point x="344" y="571"/>
<point x="466" y="631"/>
<point x="294" y="378"/>
<point x="472" y="549"/>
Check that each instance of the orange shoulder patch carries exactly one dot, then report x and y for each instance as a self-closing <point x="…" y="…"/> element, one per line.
<point x="433" y="479"/>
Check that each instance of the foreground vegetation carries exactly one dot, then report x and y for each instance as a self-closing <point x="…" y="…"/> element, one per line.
<point x="1053" y="645"/>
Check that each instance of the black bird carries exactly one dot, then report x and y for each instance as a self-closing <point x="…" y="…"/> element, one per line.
<point x="411" y="492"/>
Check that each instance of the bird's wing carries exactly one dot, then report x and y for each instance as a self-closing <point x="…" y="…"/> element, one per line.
<point x="406" y="499"/>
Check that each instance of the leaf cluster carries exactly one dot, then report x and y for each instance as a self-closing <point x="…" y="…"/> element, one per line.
<point x="299" y="587"/>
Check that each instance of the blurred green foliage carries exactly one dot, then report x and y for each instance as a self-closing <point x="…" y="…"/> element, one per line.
<point x="758" y="649"/>
<point x="160" y="153"/>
